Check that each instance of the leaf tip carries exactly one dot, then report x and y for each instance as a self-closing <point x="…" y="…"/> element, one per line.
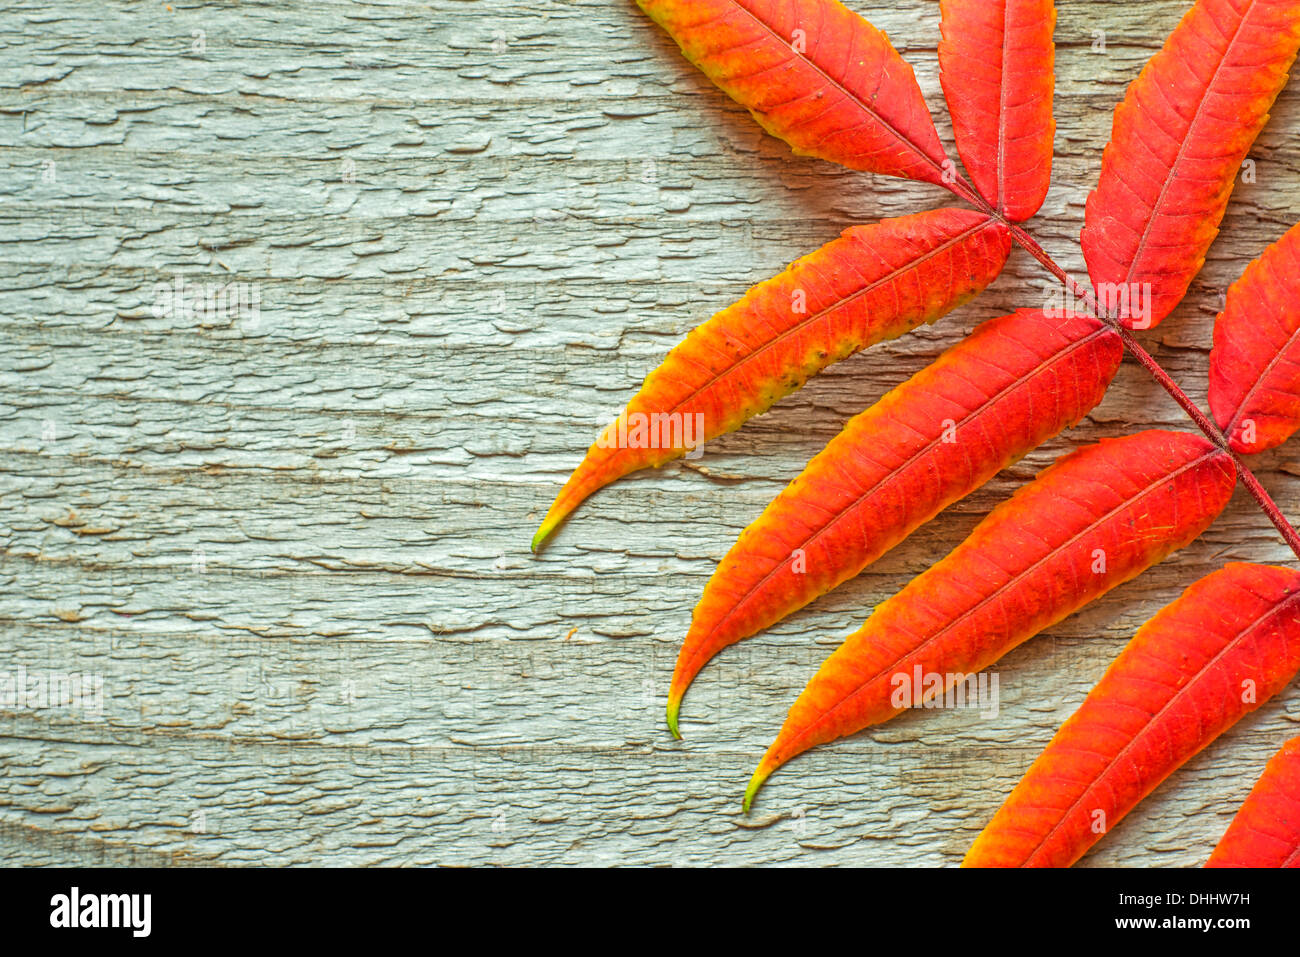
<point x="543" y="533"/>
<point x="674" y="706"/>
<point x="762" y="773"/>
<point x="555" y="516"/>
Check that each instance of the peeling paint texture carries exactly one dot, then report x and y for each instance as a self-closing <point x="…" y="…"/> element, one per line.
<point x="292" y="537"/>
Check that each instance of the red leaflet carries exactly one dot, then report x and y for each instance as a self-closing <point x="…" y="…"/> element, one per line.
<point x="874" y="282"/>
<point x="814" y="74"/>
<point x="1176" y="146"/>
<point x="1227" y="645"/>
<point x="996" y="61"/>
<point x="1017" y="381"/>
<point x="1255" y="362"/>
<point x="1266" y="831"/>
<point x="1095" y="519"/>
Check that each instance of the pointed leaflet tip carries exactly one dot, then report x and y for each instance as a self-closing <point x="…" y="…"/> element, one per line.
<point x="684" y="671"/>
<point x="1012" y="384"/>
<point x="1146" y="496"/>
<point x="674" y="706"/>
<point x="600" y="467"/>
<point x="761" y="774"/>
<point x="543" y="533"/>
<point x="874" y="283"/>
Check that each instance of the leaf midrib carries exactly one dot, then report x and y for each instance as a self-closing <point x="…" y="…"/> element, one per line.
<point x="971" y="416"/>
<point x="1127" y="503"/>
<point x="1182" y="147"/>
<point x="913" y="147"/>
<point x="1002" y="109"/>
<point x="892" y="276"/>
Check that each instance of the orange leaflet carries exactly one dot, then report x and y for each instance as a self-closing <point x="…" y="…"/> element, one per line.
<point x="1096" y="518"/>
<point x="814" y="74"/>
<point x="1017" y="381"/>
<point x="1227" y="645"/>
<point x="1255" y="362"/>
<point x="874" y="282"/>
<point x="1177" y="144"/>
<point x="1266" y="831"/>
<point x="996" y="61"/>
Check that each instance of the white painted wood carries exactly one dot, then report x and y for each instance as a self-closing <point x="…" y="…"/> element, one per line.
<point x="295" y="548"/>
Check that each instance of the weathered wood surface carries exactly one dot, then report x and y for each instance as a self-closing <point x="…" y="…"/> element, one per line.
<point x="295" y="549"/>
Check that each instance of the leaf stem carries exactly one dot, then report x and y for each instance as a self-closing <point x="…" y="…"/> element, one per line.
<point x="1148" y="362"/>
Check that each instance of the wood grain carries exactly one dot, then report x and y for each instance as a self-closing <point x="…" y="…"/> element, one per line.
<point x="296" y="549"/>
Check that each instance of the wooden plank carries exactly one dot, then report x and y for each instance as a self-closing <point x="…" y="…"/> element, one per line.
<point x="293" y="544"/>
